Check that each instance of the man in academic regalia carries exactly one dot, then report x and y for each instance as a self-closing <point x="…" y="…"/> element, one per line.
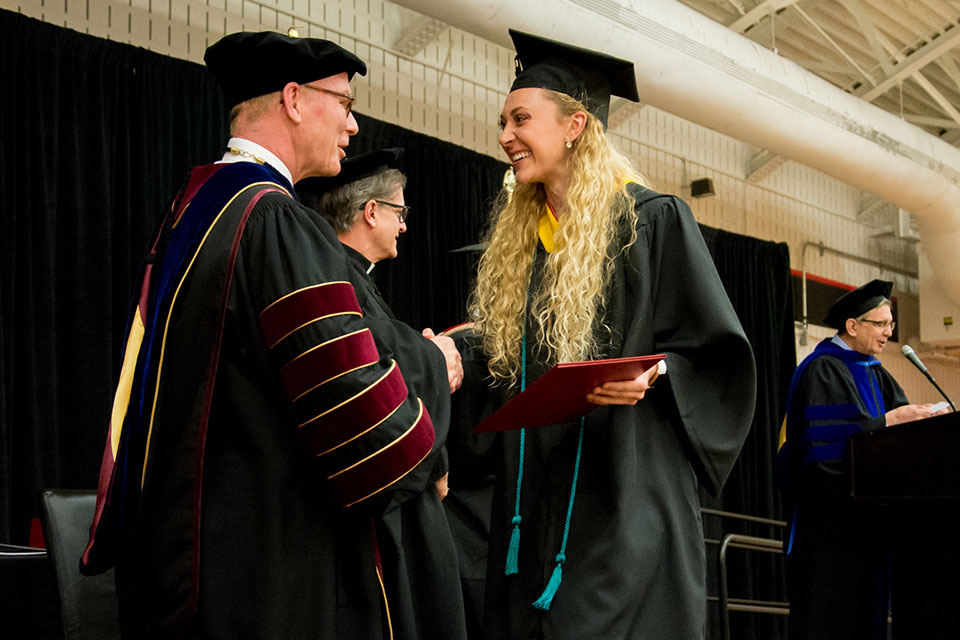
<point x="365" y="205"/>
<point x="256" y="427"/>
<point x="837" y="562"/>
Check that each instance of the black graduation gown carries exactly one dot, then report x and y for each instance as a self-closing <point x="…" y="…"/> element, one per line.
<point x="837" y="566"/>
<point x="635" y="565"/>
<point x="262" y="468"/>
<point x="416" y="546"/>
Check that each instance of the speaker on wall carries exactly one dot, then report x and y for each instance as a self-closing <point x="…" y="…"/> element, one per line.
<point x="702" y="187"/>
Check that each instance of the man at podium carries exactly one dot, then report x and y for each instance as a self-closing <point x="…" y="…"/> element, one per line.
<point x="837" y="554"/>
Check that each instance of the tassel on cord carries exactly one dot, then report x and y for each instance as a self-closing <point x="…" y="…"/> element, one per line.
<point x="546" y="598"/>
<point x="513" y="551"/>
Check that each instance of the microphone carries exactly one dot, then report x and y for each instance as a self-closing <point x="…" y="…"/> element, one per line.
<point x="908" y="351"/>
<point x="912" y="357"/>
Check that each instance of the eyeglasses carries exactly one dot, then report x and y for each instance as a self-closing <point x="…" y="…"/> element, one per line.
<point x="403" y="211"/>
<point x="882" y="324"/>
<point x="346" y="99"/>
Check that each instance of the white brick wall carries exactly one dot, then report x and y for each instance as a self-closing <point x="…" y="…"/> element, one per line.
<point x="453" y="89"/>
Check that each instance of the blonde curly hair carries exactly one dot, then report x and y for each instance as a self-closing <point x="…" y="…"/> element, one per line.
<point x="567" y="308"/>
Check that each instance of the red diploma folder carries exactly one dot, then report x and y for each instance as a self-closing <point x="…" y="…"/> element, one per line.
<point x="560" y="395"/>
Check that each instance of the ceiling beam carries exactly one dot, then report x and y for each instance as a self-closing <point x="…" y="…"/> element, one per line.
<point x="952" y="136"/>
<point x="756" y="14"/>
<point x="926" y="54"/>
<point x="925" y="84"/>
<point x="824" y="66"/>
<point x="836" y="46"/>
<point x="929" y="121"/>
<point x="950" y="68"/>
<point x="870" y="32"/>
<point x="738" y="6"/>
<point x="938" y="97"/>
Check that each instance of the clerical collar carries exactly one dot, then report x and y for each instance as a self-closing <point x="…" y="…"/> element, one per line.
<point x="359" y="257"/>
<point x="243" y="150"/>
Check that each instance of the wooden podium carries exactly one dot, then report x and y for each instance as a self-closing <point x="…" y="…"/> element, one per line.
<point x="914" y="469"/>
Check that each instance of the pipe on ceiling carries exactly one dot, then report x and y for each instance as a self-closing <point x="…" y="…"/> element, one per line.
<point x="695" y="68"/>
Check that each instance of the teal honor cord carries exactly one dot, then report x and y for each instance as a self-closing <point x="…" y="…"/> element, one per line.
<point x="545" y="600"/>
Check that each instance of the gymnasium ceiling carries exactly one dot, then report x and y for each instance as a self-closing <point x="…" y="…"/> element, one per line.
<point x="901" y="55"/>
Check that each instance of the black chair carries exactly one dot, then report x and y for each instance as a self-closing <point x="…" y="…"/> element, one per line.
<point x="88" y="605"/>
<point x="28" y="607"/>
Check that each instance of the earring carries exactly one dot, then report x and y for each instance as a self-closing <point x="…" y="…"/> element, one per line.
<point x="568" y="144"/>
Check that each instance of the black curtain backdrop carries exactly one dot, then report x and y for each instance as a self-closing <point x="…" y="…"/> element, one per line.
<point x="756" y="275"/>
<point x="96" y="136"/>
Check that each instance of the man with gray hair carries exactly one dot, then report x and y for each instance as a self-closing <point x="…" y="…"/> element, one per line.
<point x="365" y="205"/>
<point x="837" y="551"/>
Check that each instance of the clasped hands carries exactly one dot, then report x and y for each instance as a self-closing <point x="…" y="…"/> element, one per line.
<point x="450" y="354"/>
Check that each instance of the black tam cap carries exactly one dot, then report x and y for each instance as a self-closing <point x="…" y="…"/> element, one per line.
<point x="857" y="302"/>
<point x="352" y="169"/>
<point x="589" y="76"/>
<point x="248" y="64"/>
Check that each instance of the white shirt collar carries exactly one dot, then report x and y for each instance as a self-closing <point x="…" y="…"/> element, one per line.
<point x="256" y="153"/>
<point x="837" y="340"/>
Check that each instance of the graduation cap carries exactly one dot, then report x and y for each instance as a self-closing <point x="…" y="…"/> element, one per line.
<point x="352" y="169"/>
<point x="857" y="302"/>
<point x="589" y="76"/>
<point x="250" y="64"/>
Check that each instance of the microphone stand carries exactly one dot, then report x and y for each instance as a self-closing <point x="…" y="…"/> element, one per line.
<point x="934" y="383"/>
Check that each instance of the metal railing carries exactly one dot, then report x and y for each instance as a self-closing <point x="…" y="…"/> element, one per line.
<point x="748" y="543"/>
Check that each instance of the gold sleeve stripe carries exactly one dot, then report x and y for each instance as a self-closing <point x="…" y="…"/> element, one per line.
<point x="372" y="427"/>
<point x="327" y="361"/>
<point x="311" y="321"/>
<point x="391" y="483"/>
<point x="384" y="448"/>
<point x="301" y="290"/>
<point x="356" y="415"/>
<point x="385" y="467"/>
<point x="304" y="306"/>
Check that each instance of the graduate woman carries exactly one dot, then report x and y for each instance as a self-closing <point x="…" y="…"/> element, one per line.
<point x="596" y="527"/>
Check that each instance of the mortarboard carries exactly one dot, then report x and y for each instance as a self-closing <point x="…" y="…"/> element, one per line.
<point x="589" y="76"/>
<point x="352" y="169"/>
<point x="857" y="302"/>
<point x="250" y="64"/>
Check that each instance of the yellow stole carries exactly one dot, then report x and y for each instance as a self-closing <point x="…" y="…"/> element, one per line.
<point x="547" y="225"/>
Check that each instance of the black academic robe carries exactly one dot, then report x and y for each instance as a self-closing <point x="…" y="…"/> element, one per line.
<point x="416" y="546"/>
<point x="837" y="561"/>
<point x="635" y="566"/>
<point x="264" y="430"/>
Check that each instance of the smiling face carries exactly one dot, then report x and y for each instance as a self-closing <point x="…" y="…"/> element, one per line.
<point x="865" y="336"/>
<point x="387" y="232"/>
<point x="329" y="125"/>
<point x="532" y="134"/>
